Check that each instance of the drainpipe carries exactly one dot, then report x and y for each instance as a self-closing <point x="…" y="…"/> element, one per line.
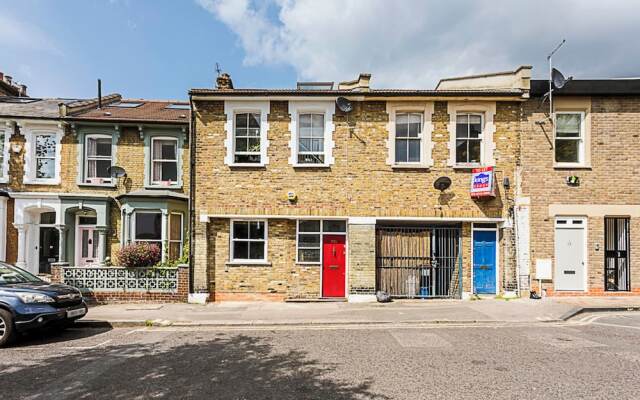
<point x="192" y="191"/>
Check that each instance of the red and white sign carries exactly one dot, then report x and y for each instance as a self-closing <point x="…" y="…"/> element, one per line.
<point x="482" y="182"/>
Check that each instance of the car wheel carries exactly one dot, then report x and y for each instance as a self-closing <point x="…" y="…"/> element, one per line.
<point x="7" y="330"/>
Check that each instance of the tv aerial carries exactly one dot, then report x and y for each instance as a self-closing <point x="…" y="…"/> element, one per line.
<point x="556" y="81"/>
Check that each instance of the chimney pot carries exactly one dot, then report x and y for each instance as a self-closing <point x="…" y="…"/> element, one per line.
<point x="224" y="81"/>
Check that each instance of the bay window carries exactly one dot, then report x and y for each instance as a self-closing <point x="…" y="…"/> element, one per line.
<point x="148" y="227"/>
<point x="164" y="161"/>
<point x="175" y="236"/>
<point x="248" y="241"/>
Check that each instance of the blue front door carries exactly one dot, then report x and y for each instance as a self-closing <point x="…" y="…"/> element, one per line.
<point x="484" y="262"/>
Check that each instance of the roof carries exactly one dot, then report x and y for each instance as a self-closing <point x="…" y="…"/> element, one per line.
<point x="589" y="87"/>
<point x="27" y="107"/>
<point x="149" y="111"/>
<point x="155" y="193"/>
<point x="370" y="93"/>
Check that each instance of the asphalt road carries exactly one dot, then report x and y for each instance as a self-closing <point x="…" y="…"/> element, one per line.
<point x="596" y="356"/>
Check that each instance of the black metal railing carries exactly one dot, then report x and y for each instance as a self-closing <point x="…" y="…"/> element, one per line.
<point x="418" y="262"/>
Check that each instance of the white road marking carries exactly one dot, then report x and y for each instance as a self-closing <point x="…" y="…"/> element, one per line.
<point x="88" y="347"/>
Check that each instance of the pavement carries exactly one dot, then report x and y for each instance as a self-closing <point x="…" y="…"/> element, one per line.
<point x="487" y="310"/>
<point x="592" y="356"/>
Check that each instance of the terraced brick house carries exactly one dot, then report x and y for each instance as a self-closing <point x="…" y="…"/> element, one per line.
<point x="579" y="203"/>
<point x="63" y="205"/>
<point x="336" y="191"/>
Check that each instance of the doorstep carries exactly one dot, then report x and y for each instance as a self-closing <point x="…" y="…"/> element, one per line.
<point x="318" y="300"/>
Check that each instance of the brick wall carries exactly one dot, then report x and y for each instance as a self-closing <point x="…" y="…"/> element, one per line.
<point x="362" y="259"/>
<point x="279" y="279"/>
<point x="359" y="184"/>
<point x="104" y="297"/>
<point x="611" y="179"/>
<point x="129" y="155"/>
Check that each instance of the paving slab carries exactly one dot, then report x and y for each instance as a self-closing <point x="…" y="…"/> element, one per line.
<point x="397" y="312"/>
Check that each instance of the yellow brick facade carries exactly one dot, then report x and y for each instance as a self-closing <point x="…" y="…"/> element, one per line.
<point x="359" y="184"/>
<point x="607" y="185"/>
<point x="130" y="155"/>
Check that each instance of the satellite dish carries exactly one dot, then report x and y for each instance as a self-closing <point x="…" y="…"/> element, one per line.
<point x="344" y="105"/>
<point x="443" y="183"/>
<point x="116" y="172"/>
<point x="558" y="79"/>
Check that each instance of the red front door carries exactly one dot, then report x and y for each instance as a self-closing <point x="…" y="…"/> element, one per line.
<point x="333" y="266"/>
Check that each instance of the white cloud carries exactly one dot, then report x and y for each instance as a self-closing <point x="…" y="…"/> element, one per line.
<point x="413" y="43"/>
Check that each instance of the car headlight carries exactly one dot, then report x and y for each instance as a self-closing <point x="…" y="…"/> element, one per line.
<point x="35" y="298"/>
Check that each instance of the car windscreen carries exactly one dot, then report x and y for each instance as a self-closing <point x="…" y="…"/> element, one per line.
<point x="10" y="274"/>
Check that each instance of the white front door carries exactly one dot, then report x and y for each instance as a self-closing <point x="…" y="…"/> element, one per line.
<point x="570" y="268"/>
<point x="87" y="245"/>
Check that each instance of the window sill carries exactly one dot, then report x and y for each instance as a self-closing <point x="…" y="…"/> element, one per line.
<point x="249" y="165"/>
<point x="104" y="185"/>
<point x="571" y="166"/>
<point x="308" y="264"/>
<point x="41" y="181"/>
<point x="311" y="165"/>
<point x="411" y="166"/>
<point x="468" y="166"/>
<point x="160" y="187"/>
<point x="248" y="263"/>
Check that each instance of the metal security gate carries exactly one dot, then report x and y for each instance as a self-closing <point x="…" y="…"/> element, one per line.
<point x="418" y="262"/>
<point x="616" y="254"/>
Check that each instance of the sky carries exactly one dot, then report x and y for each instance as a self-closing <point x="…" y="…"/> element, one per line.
<point x="159" y="49"/>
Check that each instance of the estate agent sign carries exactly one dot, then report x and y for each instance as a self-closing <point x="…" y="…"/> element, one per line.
<point x="482" y="182"/>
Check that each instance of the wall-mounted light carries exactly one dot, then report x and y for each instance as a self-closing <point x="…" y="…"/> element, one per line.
<point x="292" y="196"/>
<point x="506" y="183"/>
<point x="16" y="147"/>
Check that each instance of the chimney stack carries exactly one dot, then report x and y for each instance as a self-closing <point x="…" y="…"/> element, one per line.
<point x="224" y="82"/>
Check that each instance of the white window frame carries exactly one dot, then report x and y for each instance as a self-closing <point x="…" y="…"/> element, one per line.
<point x="426" y="144"/>
<point x="85" y="177"/>
<point x="409" y="138"/>
<point x="169" y="240"/>
<point x="487" y="145"/>
<point x="247" y="152"/>
<point x="322" y="233"/>
<point x="7" y="132"/>
<point x="153" y="160"/>
<point x="297" y="108"/>
<point x="233" y="260"/>
<point x="134" y="238"/>
<point x="581" y="140"/>
<point x="233" y="107"/>
<point x="31" y="130"/>
<point x="469" y="139"/>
